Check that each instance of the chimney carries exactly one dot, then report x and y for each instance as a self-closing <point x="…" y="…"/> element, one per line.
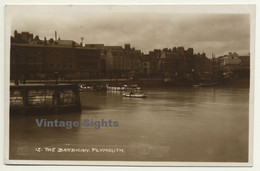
<point x="55" y="36"/>
<point x="81" y="43"/>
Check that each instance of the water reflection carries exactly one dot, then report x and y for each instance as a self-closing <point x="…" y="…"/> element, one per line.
<point x="171" y="124"/>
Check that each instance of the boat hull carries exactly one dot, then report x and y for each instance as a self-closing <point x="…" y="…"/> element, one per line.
<point x="135" y="95"/>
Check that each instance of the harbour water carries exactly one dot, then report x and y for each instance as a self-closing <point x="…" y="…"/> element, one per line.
<point x="207" y="124"/>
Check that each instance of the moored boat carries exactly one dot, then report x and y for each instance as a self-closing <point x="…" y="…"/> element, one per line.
<point x="91" y="88"/>
<point x="132" y="87"/>
<point x="123" y="87"/>
<point x="115" y="88"/>
<point x="134" y="94"/>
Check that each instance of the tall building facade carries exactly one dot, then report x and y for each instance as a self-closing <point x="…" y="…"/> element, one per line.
<point x="176" y="62"/>
<point x="63" y="59"/>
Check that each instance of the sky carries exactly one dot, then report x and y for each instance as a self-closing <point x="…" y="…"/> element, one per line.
<point x="144" y="28"/>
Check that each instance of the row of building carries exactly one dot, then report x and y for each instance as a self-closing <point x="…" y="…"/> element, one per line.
<point x="175" y="62"/>
<point x="32" y="58"/>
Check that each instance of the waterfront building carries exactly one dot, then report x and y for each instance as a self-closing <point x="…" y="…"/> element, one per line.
<point x="239" y="66"/>
<point x="154" y="67"/>
<point x="27" y="61"/>
<point x="102" y="50"/>
<point x="32" y="58"/>
<point x="202" y="64"/>
<point x="132" y="61"/>
<point x="146" y="65"/>
<point x="175" y="62"/>
<point x="87" y="62"/>
<point x="121" y="61"/>
<point x="59" y="59"/>
<point x="230" y="59"/>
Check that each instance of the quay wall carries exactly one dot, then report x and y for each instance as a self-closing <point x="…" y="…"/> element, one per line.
<point x="141" y="82"/>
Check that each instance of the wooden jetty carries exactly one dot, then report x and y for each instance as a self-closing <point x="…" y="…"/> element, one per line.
<point x="44" y="98"/>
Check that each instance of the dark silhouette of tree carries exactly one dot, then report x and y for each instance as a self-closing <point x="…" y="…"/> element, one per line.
<point x="51" y="41"/>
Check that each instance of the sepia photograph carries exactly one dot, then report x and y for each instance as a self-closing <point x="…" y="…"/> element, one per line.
<point x="166" y="85"/>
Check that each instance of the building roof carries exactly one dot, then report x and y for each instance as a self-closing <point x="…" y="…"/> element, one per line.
<point x="67" y="42"/>
<point x="98" y="46"/>
<point x="113" y="47"/>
